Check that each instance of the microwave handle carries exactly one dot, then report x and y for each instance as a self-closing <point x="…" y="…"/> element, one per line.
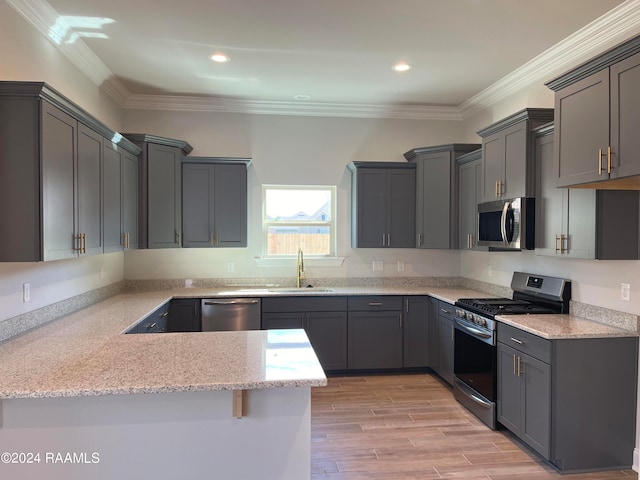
<point x="503" y="223"/>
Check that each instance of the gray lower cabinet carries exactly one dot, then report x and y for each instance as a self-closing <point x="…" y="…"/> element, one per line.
<point x="375" y="333"/>
<point x="582" y="223"/>
<point x="469" y="188"/>
<point x="571" y="400"/>
<point x="184" y="315"/>
<point x="52" y="159"/>
<point x="597" y="118"/>
<point x="433" y="328"/>
<point x="524" y="397"/>
<point x="445" y="341"/>
<point x="155" y="322"/>
<point x="383" y="204"/>
<point x="437" y="194"/>
<point x="160" y="190"/>
<point x="323" y="318"/>
<point x="416" y="332"/>
<point x="214" y="195"/>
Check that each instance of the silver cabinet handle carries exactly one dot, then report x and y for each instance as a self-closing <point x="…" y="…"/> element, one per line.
<point x="375" y="304"/>
<point x="149" y="327"/>
<point x="444" y="310"/>
<point x="519" y="342"/>
<point x="231" y="302"/>
<point x="164" y="314"/>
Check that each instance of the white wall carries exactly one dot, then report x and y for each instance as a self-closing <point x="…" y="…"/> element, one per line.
<point x="298" y="151"/>
<point x="27" y="55"/>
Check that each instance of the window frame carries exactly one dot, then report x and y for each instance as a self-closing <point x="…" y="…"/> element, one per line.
<point x="332" y="224"/>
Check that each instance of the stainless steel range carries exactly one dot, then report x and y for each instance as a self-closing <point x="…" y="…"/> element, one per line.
<point x="475" y="359"/>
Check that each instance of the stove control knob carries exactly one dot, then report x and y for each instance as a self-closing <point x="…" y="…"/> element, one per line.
<point x="470" y="316"/>
<point x="459" y="313"/>
<point x="482" y="322"/>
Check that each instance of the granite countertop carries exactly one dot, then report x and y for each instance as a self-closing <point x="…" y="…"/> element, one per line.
<point x="84" y="353"/>
<point x="556" y="327"/>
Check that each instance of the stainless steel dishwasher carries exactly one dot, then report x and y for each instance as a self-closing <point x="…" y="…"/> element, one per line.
<point x="225" y="314"/>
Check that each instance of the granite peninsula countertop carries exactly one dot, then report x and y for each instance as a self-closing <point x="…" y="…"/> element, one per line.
<point x="85" y="354"/>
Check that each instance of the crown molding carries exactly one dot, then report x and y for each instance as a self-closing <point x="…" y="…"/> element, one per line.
<point x="614" y="27"/>
<point x="42" y="16"/>
<point x="308" y="109"/>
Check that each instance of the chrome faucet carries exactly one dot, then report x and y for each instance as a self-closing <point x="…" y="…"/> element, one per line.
<point x="300" y="268"/>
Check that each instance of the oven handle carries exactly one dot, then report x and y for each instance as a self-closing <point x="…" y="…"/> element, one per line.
<point x="469" y="393"/>
<point x="473" y="331"/>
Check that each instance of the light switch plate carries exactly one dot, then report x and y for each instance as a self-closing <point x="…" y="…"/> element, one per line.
<point x="625" y="291"/>
<point x="378" y="265"/>
<point x="400" y="266"/>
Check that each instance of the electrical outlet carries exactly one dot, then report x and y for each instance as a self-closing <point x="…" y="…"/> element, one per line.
<point x="625" y="291"/>
<point x="231" y="267"/>
<point x="26" y="292"/>
<point x="400" y="266"/>
<point x="378" y="265"/>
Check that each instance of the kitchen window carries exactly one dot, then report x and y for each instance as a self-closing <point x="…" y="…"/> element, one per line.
<point x="298" y="216"/>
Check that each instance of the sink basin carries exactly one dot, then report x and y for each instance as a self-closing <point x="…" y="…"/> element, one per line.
<point x="299" y="290"/>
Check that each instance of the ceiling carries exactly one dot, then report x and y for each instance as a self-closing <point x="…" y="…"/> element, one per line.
<point x="328" y="51"/>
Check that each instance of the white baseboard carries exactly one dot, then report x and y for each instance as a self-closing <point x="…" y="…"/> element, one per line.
<point x="636" y="459"/>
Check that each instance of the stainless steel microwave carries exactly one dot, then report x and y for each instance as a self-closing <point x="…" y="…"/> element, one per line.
<point x="507" y="224"/>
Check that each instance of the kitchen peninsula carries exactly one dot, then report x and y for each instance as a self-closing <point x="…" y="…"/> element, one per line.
<point x="80" y="401"/>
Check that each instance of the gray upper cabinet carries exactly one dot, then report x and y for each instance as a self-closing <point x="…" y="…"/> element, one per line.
<point x="112" y="185"/>
<point x="508" y="168"/>
<point x="52" y="155"/>
<point x="383" y="204"/>
<point x="469" y="178"/>
<point x="597" y="113"/>
<point x="160" y="190"/>
<point x="582" y="223"/>
<point x="437" y="194"/>
<point x="214" y="202"/>
<point x="130" y="224"/>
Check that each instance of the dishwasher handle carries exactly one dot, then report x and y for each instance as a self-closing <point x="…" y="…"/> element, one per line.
<point x="248" y="301"/>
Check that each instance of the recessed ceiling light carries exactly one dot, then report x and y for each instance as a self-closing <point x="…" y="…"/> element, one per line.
<point x="302" y="97"/>
<point x="219" y="57"/>
<point x="401" y="67"/>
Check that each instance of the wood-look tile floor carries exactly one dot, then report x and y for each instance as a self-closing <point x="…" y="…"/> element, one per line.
<point x="409" y="427"/>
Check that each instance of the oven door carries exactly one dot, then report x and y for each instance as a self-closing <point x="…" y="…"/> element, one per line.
<point x="475" y="370"/>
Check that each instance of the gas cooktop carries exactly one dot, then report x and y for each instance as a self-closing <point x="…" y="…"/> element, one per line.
<point x="501" y="306"/>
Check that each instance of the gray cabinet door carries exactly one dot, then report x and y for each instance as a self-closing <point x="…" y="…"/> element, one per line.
<point x="327" y="332"/>
<point x="625" y="117"/>
<point x="112" y="186"/>
<point x="401" y="212"/>
<point x="416" y="332"/>
<point x="230" y="205"/>
<point x="492" y="165"/>
<point x="470" y="176"/>
<point x="435" y="215"/>
<point x="184" y="315"/>
<point x="446" y="341"/>
<point x="371" y="213"/>
<point x="197" y="198"/>
<point x="130" y="223"/>
<point x="509" y="403"/>
<point x="433" y="334"/>
<point x="164" y="196"/>
<point x="535" y="426"/>
<point x="214" y="205"/>
<point x="582" y="130"/>
<point x="375" y="340"/>
<point x="59" y="137"/>
<point x="89" y="190"/>
<point x="515" y="161"/>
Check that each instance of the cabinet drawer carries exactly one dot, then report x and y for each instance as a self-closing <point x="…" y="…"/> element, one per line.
<point x="446" y="309"/>
<point x="374" y="303"/>
<point x="525" y="342"/>
<point x="304" y="304"/>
